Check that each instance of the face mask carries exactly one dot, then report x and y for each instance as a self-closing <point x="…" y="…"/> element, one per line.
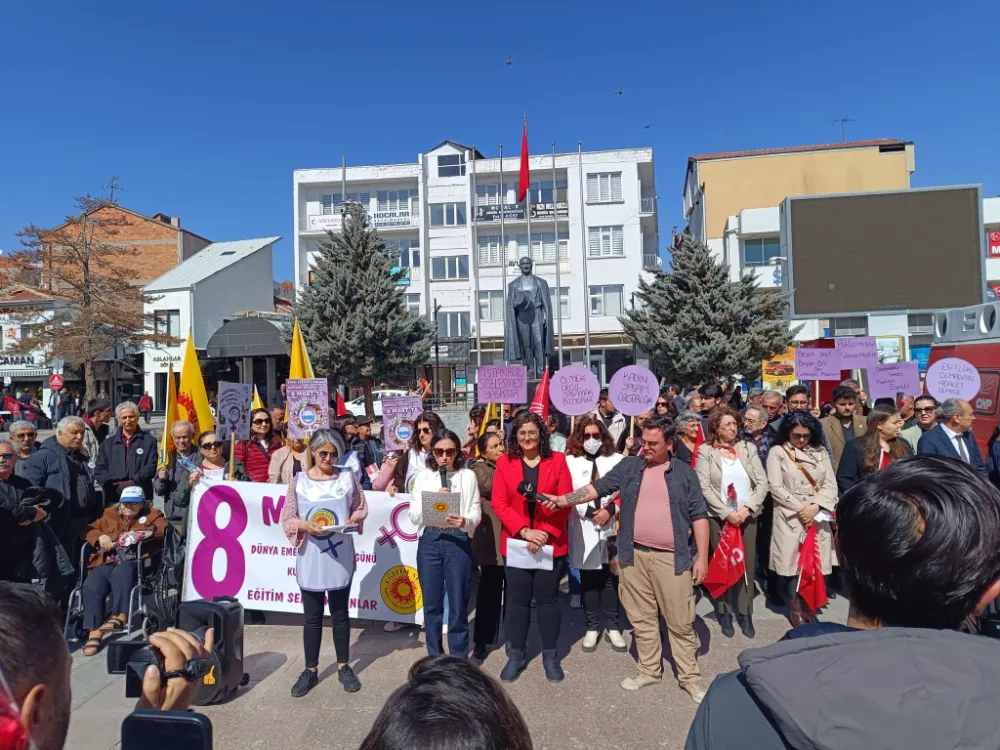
<point x="592" y="445"/>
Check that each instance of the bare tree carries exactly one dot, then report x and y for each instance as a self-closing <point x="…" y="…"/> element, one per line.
<point x="98" y="305"/>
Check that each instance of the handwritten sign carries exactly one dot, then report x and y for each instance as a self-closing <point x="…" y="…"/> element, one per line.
<point x="817" y="364"/>
<point x="308" y="406"/>
<point x="574" y="390"/>
<point x="888" y="380"/>
<point x="502" y="384"/>
<point x="634" y="390"/>
<point x="233" y="411"/>
<point x="398" y="414"/>
<point x="857" y="352"/>
<point x="952" y="377"/>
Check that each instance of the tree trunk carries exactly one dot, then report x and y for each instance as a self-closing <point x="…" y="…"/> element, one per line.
<point x="367" y="384"/>
<point x="89" y="380"/>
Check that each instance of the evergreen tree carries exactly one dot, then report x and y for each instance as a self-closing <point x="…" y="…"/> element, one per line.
<point x="354" y="316"/>
<point x="696" y="323"/>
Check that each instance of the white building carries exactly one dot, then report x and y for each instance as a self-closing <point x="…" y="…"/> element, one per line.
<point x="200" y="295"/>
<point x="21" y="308"/>
<point x="442" y="214"/>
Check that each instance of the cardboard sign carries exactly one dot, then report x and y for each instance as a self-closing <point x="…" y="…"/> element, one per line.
<point x="952" y="377"/>
<point x="888" y="380"/>
<point x="779" y="371"/>
<point x="398" y="414"/>
<point x="502" y="384"/>
<point x="634" y="390"/>
<point x="857" y="352"/>
<point x="817" y="364"/>
<point x="308" y="401"/>
<point x="232" y="415"/>
<point x="574" y="390"/>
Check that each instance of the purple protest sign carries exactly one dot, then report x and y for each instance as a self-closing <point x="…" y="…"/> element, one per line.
<point x="574" y="390"/>
<point x="857" y="352"/>
<point x="398" y="413"/>
<point x="885" y="381"/>
<point x="634" y="390"/>
<point x="952" y="377"/>
<point x="502" y="384"/>
<point x="817" y="364"/>
<point x="308" y="403"/>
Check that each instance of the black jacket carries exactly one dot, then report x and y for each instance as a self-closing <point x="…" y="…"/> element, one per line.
<point x="32" y="553"/>
<point x="115" y="465"/>
<point x="852" y="463"/>
<point x="66" y="472"/>
<point x="936" y="442"/>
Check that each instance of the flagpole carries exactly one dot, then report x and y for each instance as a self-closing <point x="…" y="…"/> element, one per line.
<point x="475" y="262"/>
<point x="527" y="198"/>
<point x="502" y="196"/>
<point x="555" y="234"/>
<point x="343" y="183"/>
<point x="583" y="242"/>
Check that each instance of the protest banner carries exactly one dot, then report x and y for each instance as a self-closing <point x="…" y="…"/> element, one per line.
<point x="857" y="352"/>
<point x="887" y="380"/>
<point x="398" y="413"/>
<point x="817" y="364"/>
<point x="502" y="384"/>
<point x="952" y="377"/>
<point x="574" y="390"/>
<point x="634" y="390"/>
<point x="257" y="564"/>
<point x="232" y="415"/>
<point x="308" y="404"/>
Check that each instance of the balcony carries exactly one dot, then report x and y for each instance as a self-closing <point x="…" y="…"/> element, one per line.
<point x="647" y="206"/>
<point x="649" y="262"/>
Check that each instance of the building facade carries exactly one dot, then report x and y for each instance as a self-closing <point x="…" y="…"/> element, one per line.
<point x="454" y="219"/>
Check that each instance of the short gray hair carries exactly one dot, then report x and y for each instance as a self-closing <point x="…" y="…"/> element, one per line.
<point x="328" y="437"/>
<point x="126" y="405"/>
<point x="67" y="421"/>
<point x="22" y="424"/>
<point x="949" y="408"/>
<point x="686" y="417"/>
<point x="772" y="394"/>
<point x="761" y="411"/>
<point x="182" y="423"/>
<point x="5" y="441"/>
<point x="755" y="392"/>
<point x="691" y="397"/>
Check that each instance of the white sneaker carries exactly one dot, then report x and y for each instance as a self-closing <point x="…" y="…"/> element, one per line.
<point x="574" y="602"/>
<point x="617" y="640"/>
<point x="590" y="640"/>
<point x="392" y="627"/>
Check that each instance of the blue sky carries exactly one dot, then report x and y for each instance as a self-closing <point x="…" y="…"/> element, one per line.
<point x="203" y="109"/>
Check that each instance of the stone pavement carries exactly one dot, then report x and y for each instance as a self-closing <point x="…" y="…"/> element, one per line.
<point x="589" y="709"/>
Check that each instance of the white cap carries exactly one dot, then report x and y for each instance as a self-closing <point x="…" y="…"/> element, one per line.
<point x="132" y="495"/>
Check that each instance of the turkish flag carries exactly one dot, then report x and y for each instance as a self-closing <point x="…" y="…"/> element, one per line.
<point x="525" y="180"/>
<point x="341" y="406"/>
<point x="812" y="585"/>
<point x="728" y="564"/>
<point x="540" y="401"/>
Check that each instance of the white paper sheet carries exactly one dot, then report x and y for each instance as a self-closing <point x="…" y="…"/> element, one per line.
<point x="518" y="556"/>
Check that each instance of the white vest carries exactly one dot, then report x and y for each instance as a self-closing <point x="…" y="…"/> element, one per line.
<point x="588" y="548"/>
<point x="325" y="562"/>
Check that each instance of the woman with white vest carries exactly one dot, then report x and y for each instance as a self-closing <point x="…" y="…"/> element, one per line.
<point x="590" y="454"/>
<point x="326" y="496"/>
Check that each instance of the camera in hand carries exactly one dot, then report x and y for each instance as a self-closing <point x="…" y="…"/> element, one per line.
<point x="220" y="674"/>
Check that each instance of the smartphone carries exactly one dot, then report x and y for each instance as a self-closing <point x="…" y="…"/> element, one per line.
<point x="166" y="730"/>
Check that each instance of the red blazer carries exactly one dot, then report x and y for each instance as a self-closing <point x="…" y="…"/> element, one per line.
<point x="512" y="509"/>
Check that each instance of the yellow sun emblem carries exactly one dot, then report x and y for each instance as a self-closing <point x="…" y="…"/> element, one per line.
<point x="400" y="590"/>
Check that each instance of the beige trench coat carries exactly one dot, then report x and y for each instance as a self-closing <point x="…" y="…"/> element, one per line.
<point x="791" y="490"/>
<point x="710" y="475"/>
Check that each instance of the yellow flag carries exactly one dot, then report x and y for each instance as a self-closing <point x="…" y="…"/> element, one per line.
<point x="167" y="442"/>
<point x="192" y="401"/>
<point x="258" y="403"/>
<point x="300" y="366"/>
<point x="489" y="416"/>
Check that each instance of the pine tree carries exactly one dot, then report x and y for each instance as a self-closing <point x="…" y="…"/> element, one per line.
<point x="696" y="323"/>
<point x="354" y="317"/>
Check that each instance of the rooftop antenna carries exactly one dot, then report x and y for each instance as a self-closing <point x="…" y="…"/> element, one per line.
<point x="843" y="126"/>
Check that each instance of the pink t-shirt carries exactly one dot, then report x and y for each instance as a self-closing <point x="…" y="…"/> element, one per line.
<point x="653" y="526"/>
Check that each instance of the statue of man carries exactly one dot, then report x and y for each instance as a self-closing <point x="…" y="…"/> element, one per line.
<point x="528" y="321"/>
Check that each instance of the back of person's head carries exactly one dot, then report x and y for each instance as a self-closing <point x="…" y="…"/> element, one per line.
<point x="919" y="543"/>
<point x="448" y="704"/>
<point x="35" y="662"/>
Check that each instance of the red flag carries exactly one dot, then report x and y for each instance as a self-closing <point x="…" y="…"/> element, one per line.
<point x="728" y="564"/>
<point x="540" y="401"/>
<point x="812" y="585"/>
<point x="525" y="181"/>
<point x="12" y="405"/>
<point x="697" y="444"/>
<point x="341" y="406"/>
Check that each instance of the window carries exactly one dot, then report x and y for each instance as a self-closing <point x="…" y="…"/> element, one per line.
<point x="453" y="325"/>
<point x="604" y="187"/>
<point x="920" y="322"/>
<point x="760" y="252"/>
<point x="332" y="203"/>
<point x="312" y="278"/>
<point x="541" y="192"/>
<point x="489" y="195"/>
<point x="396" y="200"/>
<point x="563" y="307"/>
<point x="543" y="247"/>
<point x="489" y="250"/>
<point x="449" y="268"/>
<point x="167" y="322"/>
<point x="408" y="251"/>
<point x="451" y="165"/>
<point x="447" y="214"/>
<point x="491" y="305"/>
<point x="856" y="325"/>
<point x="606" y="300"/>
<point x="31" y="330"/>
<point x="413" y="303"/>
<point x="606" y="241"/>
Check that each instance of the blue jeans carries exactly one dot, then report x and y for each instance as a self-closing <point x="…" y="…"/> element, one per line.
<point x="574" y="582"/>
<point x="444" y="564"/>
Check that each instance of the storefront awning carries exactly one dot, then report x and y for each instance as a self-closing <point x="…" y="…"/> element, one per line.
<point x="16" y="373"/>
<point x="247" y="337"/>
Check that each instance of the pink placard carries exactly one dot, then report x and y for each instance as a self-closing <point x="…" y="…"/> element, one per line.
<point x="817" y="364"/>
<point x="574" y="390"/>
<point x="857" y="352"/>
<point x="634" y="390"/>
<point x="952" y="377"/>
<point x="502" y="384"/>
<point x="885" y="381"/>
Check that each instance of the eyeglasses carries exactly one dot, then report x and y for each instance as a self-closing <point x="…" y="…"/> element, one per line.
<point x="592" y="435"/>
<point x="262" y="421"/>
<point x="326" y="455"/>
<point x="925" y="410"/>
<point x="799" y="435"/>
<point x="211" y="446"/>
<point x="424" y="430"/>
<point x="7" y="456"/>
<point x="661" y="403"/>
<point x="444" y="452"/>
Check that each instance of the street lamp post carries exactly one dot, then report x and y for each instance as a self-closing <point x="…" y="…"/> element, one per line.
<point x="437" y="354"/>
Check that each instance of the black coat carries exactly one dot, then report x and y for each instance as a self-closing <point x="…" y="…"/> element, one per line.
<point x="117" y="468"/>
<point x="852" y="463"/>
<point x="32" y="553"/>
<point x="936" y="442"/>
<point x="66" y="472"/>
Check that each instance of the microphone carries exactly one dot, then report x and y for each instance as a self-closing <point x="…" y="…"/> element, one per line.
<point x="444" y="478"/>
<point x="531" y="498"/>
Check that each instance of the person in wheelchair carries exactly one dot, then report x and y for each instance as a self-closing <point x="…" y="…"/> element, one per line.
<point x="113" y="567"/>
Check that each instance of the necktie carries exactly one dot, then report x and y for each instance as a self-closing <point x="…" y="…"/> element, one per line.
<point x="962" y="450"/>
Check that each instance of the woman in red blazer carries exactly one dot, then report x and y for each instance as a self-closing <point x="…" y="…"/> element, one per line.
<point x="529" y="468"/>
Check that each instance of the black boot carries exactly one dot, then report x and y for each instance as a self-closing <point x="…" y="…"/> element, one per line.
<point x="515" y="665"/>
<point x="550" y="663"/>
<point x="726" y="623"/>
<point x="746" y="625"/>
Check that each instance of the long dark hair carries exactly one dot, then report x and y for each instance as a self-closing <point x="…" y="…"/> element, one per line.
<point x="544" y="446"/>
<point x="445" y="434"/>
<point x="574" y="444"/>
<point x="270" y="424"/>
<point x="435" y="423"/>
<point x="801" y="419"/>
<point x="873" y="444"/>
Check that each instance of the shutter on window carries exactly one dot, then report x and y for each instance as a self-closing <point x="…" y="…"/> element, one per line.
<point x="617" y="241"/>
<point x="616" y="187"/>
<point x="593" y="188"/>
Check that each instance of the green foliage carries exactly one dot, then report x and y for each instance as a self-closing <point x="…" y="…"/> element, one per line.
<point x="695" y="323"/>
<point x="354" y="318"/>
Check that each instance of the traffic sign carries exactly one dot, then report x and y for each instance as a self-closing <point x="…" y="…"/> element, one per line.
<point x="55" y="382"/>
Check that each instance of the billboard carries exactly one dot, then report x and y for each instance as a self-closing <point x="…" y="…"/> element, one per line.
<point x="870" y="252"/>
<point x="778" y="372"/>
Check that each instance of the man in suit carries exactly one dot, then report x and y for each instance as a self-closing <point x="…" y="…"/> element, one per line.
<point x="845" y="423"/>
<point x="953" y="435"/>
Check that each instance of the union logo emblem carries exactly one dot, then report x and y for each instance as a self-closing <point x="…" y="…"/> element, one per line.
<point x="441" y="506"/>
<point x="400" y="590"/>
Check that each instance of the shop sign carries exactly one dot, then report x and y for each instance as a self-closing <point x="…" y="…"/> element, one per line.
<point x="325" y="222"/>
<point x="994" y="241"/>
<point x="24" y="360"/>
<point x="390" y="219"/>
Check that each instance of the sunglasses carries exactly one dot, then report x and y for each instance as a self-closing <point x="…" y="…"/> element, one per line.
<point x="424" y="430"/>
<point x="326" y="455"/>
<point x="7" y="456"/>
<point x="661" y="403"/>
<point x="445" y="452"/>
<point x="211" y="446"/>
<point x="925" y="410"/>
<point x="799" y="436"/>
<point x="262" y="421"/>
<point x="596" y="435"/>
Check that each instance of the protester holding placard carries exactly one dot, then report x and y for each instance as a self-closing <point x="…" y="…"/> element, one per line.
<point x="214" y="463"/>
<point x="486" y="547"/>
<point x="529" y="469"/>
<point x="400" y="468"/>
<point x="324" y="497"/>
<point x="875" y="450"/>
<point x="444" y="553"/>
<point x="255" y="453"/>
<point x="171" y="482"/>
